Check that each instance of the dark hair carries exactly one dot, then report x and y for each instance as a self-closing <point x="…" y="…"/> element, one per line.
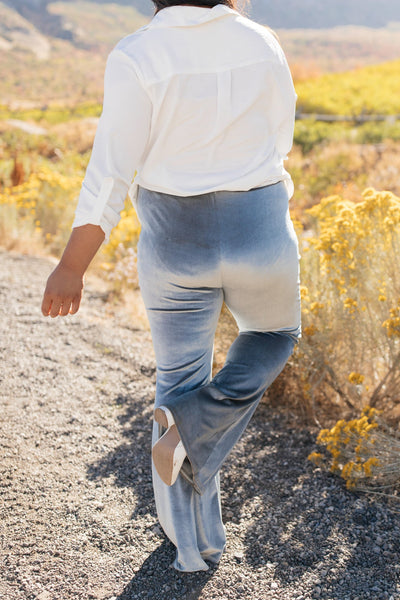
<point x="159" y="4"/>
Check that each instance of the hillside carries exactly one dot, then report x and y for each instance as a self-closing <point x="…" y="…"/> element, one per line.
<point x="68" y="66"/>
<point x="97" y="27"/>
<point x="322" y="14"/>
<point x="65" y="43"/>
<point x="314" y="51"/>
<point x="282" y="15"/>
<point x="307" y="14"/>
<point x="16" y="32"/>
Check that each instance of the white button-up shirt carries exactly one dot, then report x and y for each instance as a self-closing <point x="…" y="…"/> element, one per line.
<point x="196" y="101"/>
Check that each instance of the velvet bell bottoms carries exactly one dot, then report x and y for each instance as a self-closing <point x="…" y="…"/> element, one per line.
<point x="194" y="253"/>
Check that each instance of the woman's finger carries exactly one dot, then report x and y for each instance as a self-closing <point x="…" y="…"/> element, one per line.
<point x="64" y="310"/>
<point x="46" y="304"/>
<point x="55" y="307"/>
<point x="75" y="305"/>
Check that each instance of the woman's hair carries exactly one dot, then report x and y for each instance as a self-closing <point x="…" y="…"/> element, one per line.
<point x="159" y="4"/>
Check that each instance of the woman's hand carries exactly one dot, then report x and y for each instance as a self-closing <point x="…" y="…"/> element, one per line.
<point x="64" y="287"/>
<point x="63" y="292"/>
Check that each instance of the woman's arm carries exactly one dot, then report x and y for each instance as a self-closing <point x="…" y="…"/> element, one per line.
<point x="119" y="145"/>
<point x="64" y="287"/>
<point x="118" y="149"/>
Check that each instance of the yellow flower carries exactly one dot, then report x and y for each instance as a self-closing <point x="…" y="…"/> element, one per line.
<point x="348" y="470"/>
<point x="310" y="330"/>
<point x="356" y="378"/>
<point x="315" y="307"/>
<point x="316" y="457"/>
<point x="367" y="466"/>
<point x="392" y="327"/>
<point x="303" y="292"/>
<point x="350" y="304"/>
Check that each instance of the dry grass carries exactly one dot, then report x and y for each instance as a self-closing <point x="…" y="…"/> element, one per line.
<point x="339" y="49"/>
<point x="77" y="133"/>
<point x="342" y="167"/>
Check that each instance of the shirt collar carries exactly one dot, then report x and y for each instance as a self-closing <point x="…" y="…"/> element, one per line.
<point x="187" y="16"/>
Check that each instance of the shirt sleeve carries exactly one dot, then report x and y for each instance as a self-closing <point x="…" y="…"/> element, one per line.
<point x="119" y="145"/>
<point x="286" y="109"/>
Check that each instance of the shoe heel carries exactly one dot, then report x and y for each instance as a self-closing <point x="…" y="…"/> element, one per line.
<point x="161" y="418"/>
<point x="168" y="455"/>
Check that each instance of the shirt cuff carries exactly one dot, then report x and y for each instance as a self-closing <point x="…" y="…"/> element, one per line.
<point x="94" y="209"/>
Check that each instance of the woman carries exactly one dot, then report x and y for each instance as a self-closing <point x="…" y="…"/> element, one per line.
<point x="200" y="103"/>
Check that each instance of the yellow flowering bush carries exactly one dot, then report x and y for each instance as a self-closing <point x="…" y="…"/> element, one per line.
<point x="37" y="206"/>
<point x="365" y="452"/>
<point x="126" y="233"/>
<point x="373" y="89"/>
<point x="41" y="208"/>
<point x="120" y="252"/>
<point x="350" y="351"/>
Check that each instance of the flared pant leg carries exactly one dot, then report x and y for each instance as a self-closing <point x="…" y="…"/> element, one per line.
<point x="184" y="346"/>
<point x="194" y="253"/>
<point x="212" y="418"/>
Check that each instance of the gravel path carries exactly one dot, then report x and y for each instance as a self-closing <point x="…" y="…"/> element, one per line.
<point x="77" y="517"/>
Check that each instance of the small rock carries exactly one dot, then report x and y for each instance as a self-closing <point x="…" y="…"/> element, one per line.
<point x="44" y="596"/>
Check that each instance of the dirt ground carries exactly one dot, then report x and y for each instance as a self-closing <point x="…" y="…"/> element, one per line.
<point x="77" y="516"/>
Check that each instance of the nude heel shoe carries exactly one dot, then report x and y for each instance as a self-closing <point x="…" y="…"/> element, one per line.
<point x="168" y="452"/>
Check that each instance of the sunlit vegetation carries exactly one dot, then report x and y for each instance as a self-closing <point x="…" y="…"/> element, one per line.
<point x="370" y="90"/>
<point x="364" y="452"/>
<point x="55" y="113"/>
<point x="351" y="294"/>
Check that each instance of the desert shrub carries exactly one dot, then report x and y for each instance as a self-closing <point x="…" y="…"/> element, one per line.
<point x="375" y="133"/>
<point x="125" y="234"/>
<point x="369" y="90"/>
<point x="122" y="272"/>
<point x="42" y="206"/>
<point x="364" y="452"/>
<point x="342" y="168"/>
<point x="120" y="253"/>
<point x="350" y="352"/>
<point x="311" y="133"/>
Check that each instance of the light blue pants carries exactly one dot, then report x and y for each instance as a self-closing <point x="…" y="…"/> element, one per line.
<point x="193" y="254"/>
